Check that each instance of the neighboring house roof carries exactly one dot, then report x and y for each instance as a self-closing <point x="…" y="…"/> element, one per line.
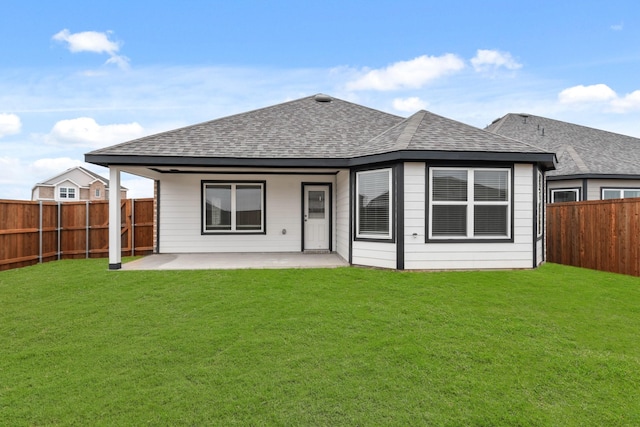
<point x="66" y="176"/>
<point x="317" y="131"/>
<point x="582" y="151"/>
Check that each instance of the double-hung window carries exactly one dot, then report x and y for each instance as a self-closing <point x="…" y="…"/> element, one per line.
<point x="233" y="207"/>
<point x="373" y="208"/>
<point x="469" y="203"/>
<point x="67" y="193"/>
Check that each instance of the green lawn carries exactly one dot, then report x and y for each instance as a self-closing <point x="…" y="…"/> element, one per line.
<point x="80" y="345"/>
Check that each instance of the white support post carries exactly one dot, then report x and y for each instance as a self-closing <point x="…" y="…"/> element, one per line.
<point x="115" y="220"/>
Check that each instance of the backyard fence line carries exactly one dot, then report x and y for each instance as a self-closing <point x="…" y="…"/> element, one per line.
<point x="600" y="235"/>
<point x="36" y="231"/>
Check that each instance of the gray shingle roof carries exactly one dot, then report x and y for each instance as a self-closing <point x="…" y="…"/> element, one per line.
<point x="580" y="150"/>
<point x="425" y="131"/>
<point x="311" y="128"/>
<point x="301" y="128"/>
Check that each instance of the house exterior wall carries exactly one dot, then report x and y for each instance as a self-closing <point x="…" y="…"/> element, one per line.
<point x="374" y="254"/>
<point x="342" y="214"/>
<point x="463" y="255"/>
<point x="594" y="186"/>
<point x="99" y="186"/>
<point x="43" y="193"/>
<point x="180" y="222"/>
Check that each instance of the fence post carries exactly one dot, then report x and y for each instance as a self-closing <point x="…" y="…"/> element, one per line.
<point x="133" y="227"/>
<point x="40" y="233"/>
<point x="86" y="232"/>
<point x="59" y="232"/>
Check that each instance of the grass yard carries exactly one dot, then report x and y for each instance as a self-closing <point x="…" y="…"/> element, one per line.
<point x="80" y="345"/>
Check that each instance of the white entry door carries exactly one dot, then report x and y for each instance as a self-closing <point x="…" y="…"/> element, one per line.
<point x="316" y="217"/>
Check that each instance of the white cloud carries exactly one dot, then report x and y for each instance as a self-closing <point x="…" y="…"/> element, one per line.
<point x="10" y="171"/>
<point x="409" y="105"/>
<point x="93" y="41"/>
<point x="10" y="124"/>
<point x="618" y="27"/>
<point x="86" y="132"/>
<point x="411" y="74"/>
<point x="631" y="101"/>
<point x="489" y="60"/>
<point x="586" y="94"/>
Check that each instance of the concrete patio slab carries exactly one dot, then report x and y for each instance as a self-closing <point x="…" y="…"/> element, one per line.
<point x="230" y="261"/>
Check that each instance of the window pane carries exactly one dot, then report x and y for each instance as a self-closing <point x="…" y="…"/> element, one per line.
<point x="218" y="215"/>
<point x="449" y="220"/>
<point x="565" y="196"/>
<point x="373" y="203"/>
<point x="316" y="204"/>
<point x="248" y="207"/>
<point x="490" y="186"/>
<point x="631" y="193"/>
<point x="611" y="194"/>
<point x="490" y="221"/>
<point x="449" y="185"/>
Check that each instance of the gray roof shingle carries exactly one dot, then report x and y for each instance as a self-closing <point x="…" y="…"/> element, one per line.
<point x="301" y="128"/>
<point x="580" y="150"/>
<point x="425" y="131"/>
<point x="311" y="128"/>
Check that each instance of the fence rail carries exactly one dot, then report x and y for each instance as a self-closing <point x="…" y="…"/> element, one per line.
<point x="600" y="234"/>
<point x="33" y="232"/>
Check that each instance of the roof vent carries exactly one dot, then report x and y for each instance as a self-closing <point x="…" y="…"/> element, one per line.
<point x="322" y="98"/>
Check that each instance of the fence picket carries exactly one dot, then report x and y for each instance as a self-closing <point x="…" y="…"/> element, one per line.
<point x="33" y="232"/>
<point x="599" y="234"/>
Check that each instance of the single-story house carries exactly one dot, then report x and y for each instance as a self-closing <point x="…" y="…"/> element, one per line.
<point x="592" y="164"/>
<point x="324" y="174"/>
<point x="74" y="185"/>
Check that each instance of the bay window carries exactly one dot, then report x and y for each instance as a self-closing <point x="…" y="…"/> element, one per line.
<point x="469" y="203"/>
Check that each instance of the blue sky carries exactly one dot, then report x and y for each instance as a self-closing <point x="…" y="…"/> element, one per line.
<point x="79" y="75"/>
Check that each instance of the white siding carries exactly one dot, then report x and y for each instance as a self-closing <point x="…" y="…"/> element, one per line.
<point x="341" y="223"/>
<point x="594" y="186"/>
<point x="374" y="254"/>
<point x="458" y="256"/>
<point x="540" y="248"/>
<point x="181" y="218"/>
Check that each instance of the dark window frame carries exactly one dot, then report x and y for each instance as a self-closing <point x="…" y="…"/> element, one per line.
<point x="469" y="238"/>
<point x="203" y="207"/>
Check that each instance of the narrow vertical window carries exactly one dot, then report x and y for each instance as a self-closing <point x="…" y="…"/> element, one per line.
<point x="373" y="209"/>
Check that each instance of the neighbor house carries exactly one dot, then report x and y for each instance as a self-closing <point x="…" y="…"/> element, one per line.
<point x="592" y="164"/>
<point x="323" y="174"/>
<point x="73" y="185"/>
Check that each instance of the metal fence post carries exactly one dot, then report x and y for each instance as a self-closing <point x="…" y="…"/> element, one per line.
<point x="59" y="231"/>
<point x="40" y="234"/>
<point x="86" y="244"/>
<point x="133" y="227"/>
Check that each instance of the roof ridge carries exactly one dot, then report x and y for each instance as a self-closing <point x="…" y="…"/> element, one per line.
<point x="562" y="122"/>
<point x="412" y="124"/>
<point x="577" y="159"/>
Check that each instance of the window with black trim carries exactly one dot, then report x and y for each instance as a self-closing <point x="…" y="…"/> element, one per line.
<point x="373" y="208"/>
<point x="469" y="203"/>
<point x="562" y="195"/>
<point x="233" y="207"/>
<point x="620" y="193"/>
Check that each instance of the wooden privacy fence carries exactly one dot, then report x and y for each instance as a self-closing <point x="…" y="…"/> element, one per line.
<point x="601" y="235"/>
<point x="33" y="232"/>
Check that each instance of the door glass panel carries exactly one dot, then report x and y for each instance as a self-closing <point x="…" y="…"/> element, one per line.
<point x="315" y="203"/>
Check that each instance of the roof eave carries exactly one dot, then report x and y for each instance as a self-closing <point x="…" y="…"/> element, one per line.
<point x="547" y="160"/>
